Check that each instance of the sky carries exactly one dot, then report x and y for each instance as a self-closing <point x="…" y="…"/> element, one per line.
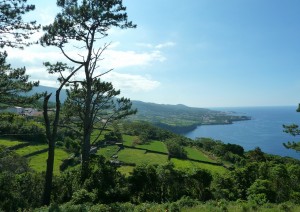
<point x="201" y="53"/>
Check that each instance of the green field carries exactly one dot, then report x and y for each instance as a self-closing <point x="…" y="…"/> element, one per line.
<point x="127" y="155"/>
<point x="38" y="162"/>
<point x="128" y="140"/>
<point x="30" y="149"/>
<point x="185" y="164"/>
<point x="139" y="157"/>
<point x="9" y="143"/>
<point x="196" y="154"/>
<point x="153" y="145"/>
<point x="126" y="170"/>
<point x="157" y="146"/>
<point x="108" y="151"/>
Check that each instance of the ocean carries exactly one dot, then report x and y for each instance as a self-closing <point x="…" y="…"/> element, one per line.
<point x="264" y="130"/>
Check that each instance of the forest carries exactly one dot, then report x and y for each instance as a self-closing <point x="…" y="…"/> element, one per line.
<point x="87" y="154"/>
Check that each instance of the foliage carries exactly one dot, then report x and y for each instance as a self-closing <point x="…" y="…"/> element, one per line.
<point x="229" y="152"/>
<point x="14" y="31"/>
<point x="14" y="83"/>
<point x="20" y="127"/>
<point x="292" y="129"/>
<point x="103" y="185"/>
<point x="81" y="24"/>
<point x="184" y="204"/>
<point x="145" y="130"/>
<point x="19" y="188"/>
<point x="260" y="192"/>
<point x="164" y="183"/>
<point x="175" y="149"/>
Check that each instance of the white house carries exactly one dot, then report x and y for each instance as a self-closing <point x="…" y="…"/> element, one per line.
<point x="17" y="110"/>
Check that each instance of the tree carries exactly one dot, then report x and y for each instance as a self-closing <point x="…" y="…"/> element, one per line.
<point x="104" y="108"/>
<point x="293" y="130"/>
<point x="81" y="24"/>
<point x="14" y="84"/>
<point x="52" y="125"/>
<point x="175" y="150"/>
<point x="14" y="31"/>
<point x="260" y="192"/>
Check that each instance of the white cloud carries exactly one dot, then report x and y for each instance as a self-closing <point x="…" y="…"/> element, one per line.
<point x="120" y="59"/>
<point x="163" y="45"/>
<point x="131" y="82"/>
<point x="112" y="58"/>
<point x="33" y="58"/>
<point x="147" y="45"/>
<point x="157" y="46"/>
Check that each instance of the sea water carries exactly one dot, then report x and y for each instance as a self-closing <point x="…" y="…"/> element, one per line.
<point x="264" y="130"/>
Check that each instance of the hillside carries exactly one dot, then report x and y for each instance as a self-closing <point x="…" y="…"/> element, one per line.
<point x="177" y="118"/>
<point x="180" y="118"/>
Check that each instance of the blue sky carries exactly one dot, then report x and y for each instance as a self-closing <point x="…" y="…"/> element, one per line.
<point x="202" y="53"/>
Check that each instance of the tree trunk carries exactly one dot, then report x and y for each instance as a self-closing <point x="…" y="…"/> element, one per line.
<point x="49" y="174"/>
<point x="85" y="158"/>
<point x="50" y="160"/>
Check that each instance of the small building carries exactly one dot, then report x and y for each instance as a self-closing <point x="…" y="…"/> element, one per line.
<point x="16" y="110"/>
<point x="30" y="111"/>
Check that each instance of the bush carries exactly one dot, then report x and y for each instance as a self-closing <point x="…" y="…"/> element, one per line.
<point x="175" y="149"/>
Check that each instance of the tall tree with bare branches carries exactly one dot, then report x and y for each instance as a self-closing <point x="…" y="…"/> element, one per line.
<point x="81" y="23"/>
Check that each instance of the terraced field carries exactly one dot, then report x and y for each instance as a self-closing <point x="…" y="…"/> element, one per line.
<point x="36" y="154"/>
<point x="186" y="164"/>
<point x="153" y="145"/>
<point x="143" y="154"/>
<point x="197" y="154"/>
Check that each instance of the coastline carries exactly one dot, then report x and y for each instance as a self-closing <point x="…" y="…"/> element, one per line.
<point x="183" y="129"/>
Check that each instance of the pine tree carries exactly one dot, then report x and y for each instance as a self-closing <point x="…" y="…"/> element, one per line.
<point x="13" y="30"/>
<point x="14" y="33"/>
<point x="81" y="24"/>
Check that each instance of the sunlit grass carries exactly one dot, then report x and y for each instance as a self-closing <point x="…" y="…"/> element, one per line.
<point x="128" y="139"/>
<point x="30" y="149"/>
<point x="108" y="151"/>
<point x="153" y="145"/>
<point x="38" y="162"/>
<point x="186" y="164"/>
<point x="196" y="154"/>
<point x="126" y="170"/>
<point x="139" y="157"/>
<point x="9" y="143"/>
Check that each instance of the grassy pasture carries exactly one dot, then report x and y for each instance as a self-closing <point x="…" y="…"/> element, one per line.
<point x="126" y="170"/>
<point x="38" y="162"/>
<point x="139" y="157"/>
<point x="153" y="145"/>
<point x="108" y="151"/>
<point x="128" y="140"/>
<point x="194" y="153"/>
<point x="185" y="164"/>
<point x="30" y="149"/>
<point x="9" y="143"/>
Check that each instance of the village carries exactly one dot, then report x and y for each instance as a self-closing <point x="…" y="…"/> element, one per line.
<point x="23" y="111"/>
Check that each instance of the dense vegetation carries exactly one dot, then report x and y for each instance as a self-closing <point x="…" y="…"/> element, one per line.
<point x="95" y="162"/>
<point x="253" y="179"/>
